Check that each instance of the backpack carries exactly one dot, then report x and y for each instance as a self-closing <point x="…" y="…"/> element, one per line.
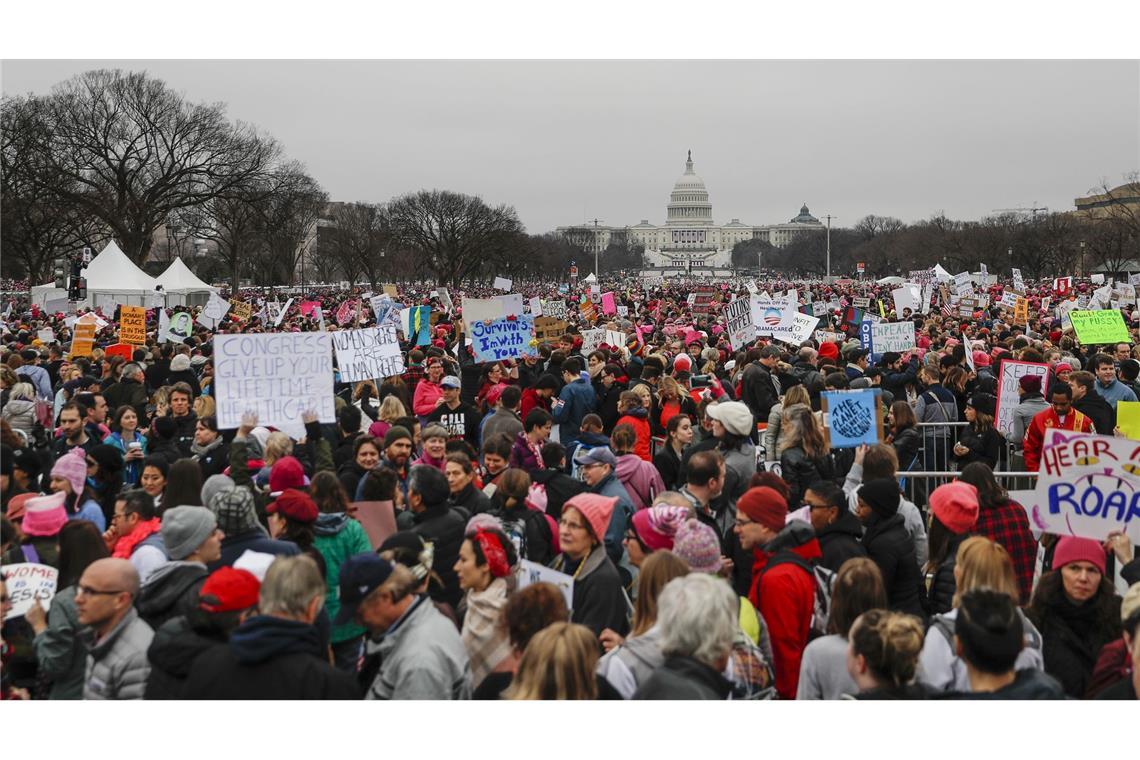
<point x="824" y="580"/>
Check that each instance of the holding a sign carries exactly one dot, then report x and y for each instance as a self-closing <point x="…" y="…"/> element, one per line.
<point x="132" y="325"/>
<point x="738" y="318"/>
<point x="852" y="418"/>
<point x="893" y="336"/>
<point x="1008" y="397"/>
<point x="368" y="354"/>
<point x="27" y="582"/>
<point x="506" y="338"/>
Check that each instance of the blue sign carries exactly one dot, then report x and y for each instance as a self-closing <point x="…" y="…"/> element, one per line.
<point x="506" y="338"/>
<point x="852" y="417"/>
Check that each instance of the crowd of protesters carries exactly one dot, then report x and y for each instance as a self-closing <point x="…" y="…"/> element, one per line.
<point x="719" y="548"/>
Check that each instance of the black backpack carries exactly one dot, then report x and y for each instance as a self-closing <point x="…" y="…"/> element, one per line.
<point x="824" y="580"/>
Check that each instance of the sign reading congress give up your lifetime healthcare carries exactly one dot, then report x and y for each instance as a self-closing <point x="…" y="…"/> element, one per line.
<point x="505" y="338"/>
<point x="278" y="376"/>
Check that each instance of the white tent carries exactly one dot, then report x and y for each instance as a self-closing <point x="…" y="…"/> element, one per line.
<point x="112" y="278"/>
<point x="590" y="278"/>
<point x="182" y="286"/>
<point x="890" y="281"/>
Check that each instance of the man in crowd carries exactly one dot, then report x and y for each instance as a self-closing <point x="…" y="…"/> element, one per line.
<point x="1060" y="415"/>
<point x="129" y="390"/>
<point x="115" y="636"/>
<point x="74" y="432"/>
<point x="185" y="421"/>
<point x="459" y="419"/>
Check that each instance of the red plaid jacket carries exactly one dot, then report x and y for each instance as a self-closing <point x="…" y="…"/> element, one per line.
<point x="1008" y="525"/>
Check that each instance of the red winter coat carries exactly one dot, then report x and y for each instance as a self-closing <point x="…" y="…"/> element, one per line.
<point x="785" y="597"/>
<point x="639" y="419"/>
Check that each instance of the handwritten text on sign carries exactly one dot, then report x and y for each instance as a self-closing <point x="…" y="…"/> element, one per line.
<point x="1008" y="383"/>
<point x="26" y="582"/>
<point x="506" y="338"/>
<point x="893" y="336"/>
<point x="741" y="330"/>
<point x="276" y="375"/>
<point x="367" y="354"/>
<point x="1089" y="485"/>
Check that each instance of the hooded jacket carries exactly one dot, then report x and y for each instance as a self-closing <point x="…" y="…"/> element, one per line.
<point x="892" y="549"/>
<point x="338" y="537"/>
<point x="269" y="658"/>
<point x="170" y="590"/>
<point x="1099" y="411"/>
<point x="638" y="419"/>
<point x="623" y="511"/>
<point x="175" y="646"/>
<point x="444" y="526"/>
<point x="471" y="499"/>
<point x="1031" y="404"/>
<point x="840" y="541"/>
<point x="785" y="597"/>
<point x="559" y="486"/>
<point x="641" y="479"/>
<point x="578" y="401"/>
<point x="599" y="599"/>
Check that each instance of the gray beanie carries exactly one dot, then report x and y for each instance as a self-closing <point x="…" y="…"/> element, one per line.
<point x="216" y="484"/>
<point x="184" y="529"/>
<point x="234" y="511"/>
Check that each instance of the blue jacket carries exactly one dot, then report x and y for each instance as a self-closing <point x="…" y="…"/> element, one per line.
<point x="579" y="401"/>
<point x="619" y="521"/>
<point x="1115" y="392"/>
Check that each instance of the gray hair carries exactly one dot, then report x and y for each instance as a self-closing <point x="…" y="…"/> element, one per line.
<point x="808" y="354"/>
<point x="130" y="369"/>
<point x="429" y="483"/>
<point x="698" y="615"/>
<point x="290" y="586"/>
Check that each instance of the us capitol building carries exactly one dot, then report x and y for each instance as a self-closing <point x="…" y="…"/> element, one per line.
<point x="689" y="235"/>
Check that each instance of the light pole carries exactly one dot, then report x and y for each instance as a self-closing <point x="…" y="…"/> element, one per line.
<point x="829" y="217"/>
<point x="1084" y="271"/>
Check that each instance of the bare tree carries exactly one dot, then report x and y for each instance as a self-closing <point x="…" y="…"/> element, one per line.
<point x="287" y="214"/>
<point x="872" y="226"/>
<point x="130" y="151"/>
<point x="457" y="236"/>
<point x="359" y="239"/>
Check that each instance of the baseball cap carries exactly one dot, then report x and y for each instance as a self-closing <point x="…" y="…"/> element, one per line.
<point x="451" y="381"/>
<point x="596" y="455"/>
<point x="360" y="575"/>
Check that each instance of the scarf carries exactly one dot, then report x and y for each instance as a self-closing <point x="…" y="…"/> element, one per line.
<point x="487" y="644"/>
<point x="125" y="546"/>
<point x="201" y="451"/>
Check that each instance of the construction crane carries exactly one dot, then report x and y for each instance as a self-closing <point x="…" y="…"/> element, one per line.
<point x="1032" y="210"/>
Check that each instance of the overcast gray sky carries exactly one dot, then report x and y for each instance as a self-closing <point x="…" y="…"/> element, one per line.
<point x="565" y="141"/>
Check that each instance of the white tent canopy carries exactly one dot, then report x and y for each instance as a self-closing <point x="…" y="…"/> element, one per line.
<point x="112" y="278"/>
<point x="590" y="278"/>
<point x="178" y="280"/>
<point x="890" y="281"/>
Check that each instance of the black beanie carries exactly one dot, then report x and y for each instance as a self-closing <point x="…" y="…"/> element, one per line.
<point x="986" y="403"/>
<point x="882" y="496"/>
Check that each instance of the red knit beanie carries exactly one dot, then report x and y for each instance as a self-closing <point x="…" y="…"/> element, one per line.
<point x="1075" y="549"/>
<point x="766" y="506"/>
<point x="286" y="472"/>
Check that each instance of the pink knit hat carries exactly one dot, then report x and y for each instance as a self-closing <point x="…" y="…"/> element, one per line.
<point x="657" y="526"/>
<point x="1069" y="549"/>
<point x="956" y="506"/>
<point x="597" y="510"/>
<point x="45" y="515"/>
<point x="72" y="467"/>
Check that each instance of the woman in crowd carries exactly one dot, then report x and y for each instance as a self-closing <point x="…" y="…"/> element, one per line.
<point x="365" y="456"/>
<point x="465" y="493"/>
<point x="20" y="408"/>
<point x="979" y="440"/>
<point x="795" y="397"/>
<point x="981" y="564"/>
<point x="491" y="386"/>
<point x="529" y="529"/>
<point x="953" y="514"/>
<point x="904" y="435"/>
<point x="629" y="662"/>
<point x="636" y="416"/>
<point x="674" y="402"/>
<point x="69" y="477"/>
<point x="599" y="600"/>
<point x="526" y="453"/>
<point x="1077" y="611"/>
<point x="882" y="655"/>
<point x="823" y="671"/>
<point x="558" y="663"/>
<point x="804" y="457"/>
<point x="129" y="441"/>
<point x="153" y="479"/>
<point x="43" y="518"/>
<point x="651" y="530"/>
<point x="183" y="485"/>
<point x="292" y="516"/>
<point x="60" y="652"/>
<point x="105" y="477"/>
<point x="641" y="479"/>
<point x="484" y="568"/>
<point x="434" y="439"/>
<point x="1004" y="521"/>
<point x="889" y="545"/>
<point x="527" y="611"/>
<point x="391" y="409"/>
<point x="678" y="436"/>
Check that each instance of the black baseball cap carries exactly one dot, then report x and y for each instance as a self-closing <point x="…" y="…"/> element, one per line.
<point x="360" y="575"/>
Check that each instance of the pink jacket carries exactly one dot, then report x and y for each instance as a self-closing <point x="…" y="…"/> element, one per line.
<point x="641" y="479"/>
<point x="423" y="403"/>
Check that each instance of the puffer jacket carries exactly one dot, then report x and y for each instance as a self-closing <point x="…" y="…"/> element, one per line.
<point x="60" y="651"/>
<point x="641" y="479"/>
<point x="338" y="537"/>
<point x="631" y="664"/>
<point x="840" y="541"/>
<point x="638" y="419"/>
<point x="892" y="548"/>
<point x="175" y="646"/>
<point x="117" y="667"/>
<point x="21" y="414"/>
<point x="170" y="590"/>
<point x="422" y="657"/>
<point x="940" y="596"/>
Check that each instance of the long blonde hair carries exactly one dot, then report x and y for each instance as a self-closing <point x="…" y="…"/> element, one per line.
<point x="391" y="409"/>
<point x="981" y="563"/>
<point x="558" y="663"/>
<point x="799" y="428"/>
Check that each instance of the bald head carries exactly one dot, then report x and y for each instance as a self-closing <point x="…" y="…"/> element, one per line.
<point x="118" y="572"/>
<point x="105" y="593"/>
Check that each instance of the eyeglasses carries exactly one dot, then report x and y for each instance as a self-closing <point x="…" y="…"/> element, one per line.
<point x="570" y="525"/>
<point x="744" y="521"/>
<point x="88" y="591"/>
<point x="816" y="506"/>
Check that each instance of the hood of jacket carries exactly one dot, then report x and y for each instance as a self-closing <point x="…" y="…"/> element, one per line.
<point x="263" y="638"/>
<point x="797" y="536"/>
<point x="640" y="413"/>
<point x="627" y="466"/>
<point x="176" y="644"/>
<point x="331" y="523"/>
<point x="166" y="585"/>
<point x="592" y="439"/>
<point x="847" y="524"/>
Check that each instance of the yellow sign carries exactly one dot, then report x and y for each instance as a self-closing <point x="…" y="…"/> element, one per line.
<point x="82" y="339"/>
<point x="241" y="310"/>
<point x="390" y="289"/>
<point x="1128" y="418"/>
<point x="132" y="325"/>
<point x="1021" y="310"/>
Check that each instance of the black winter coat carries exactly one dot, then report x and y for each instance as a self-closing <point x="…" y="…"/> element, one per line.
<point x="800" y="472"/>
<point x="472" y="499"/>
<point x="349" y="475"/>
<point x="892" y="549"/>
<point x="269" y="658"/>
<point x="1072" y="637"/>
<point x="840" y="540"/>
<point x="758" y="391"/>
<point x="1098" y="410"/>
<point x="940" y="596"/>
<point x="599" y="597"/>
<point x="684" y="678"/>
<point x="444" y="526"/>
<point x="172" y="651"/>
<point x="983" y="447"/>
<point x="908" y="443"/>
<point x="559" y="486"/>
<point x="186" y="426"/>
<point x="668" y="463"/>
<point x="171" y="590"/>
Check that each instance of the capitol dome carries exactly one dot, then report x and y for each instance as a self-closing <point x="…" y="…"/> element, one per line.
<point x="804" y="217"/>
<point x="689" y="201"/>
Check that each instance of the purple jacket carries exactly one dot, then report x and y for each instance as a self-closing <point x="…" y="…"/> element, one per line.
<point x="522" y="456"/>
<point x="641" y="479"/>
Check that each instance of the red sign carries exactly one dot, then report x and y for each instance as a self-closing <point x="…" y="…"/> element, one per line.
<point x="861" y="266"/>
<point x="573" y="271"/>
<point x="1062" y="285"/>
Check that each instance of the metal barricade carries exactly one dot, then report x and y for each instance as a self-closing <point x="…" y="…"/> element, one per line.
<point x="917" y="486"/>
<point x="938" y="440"/>
<point x="655" y="444"/>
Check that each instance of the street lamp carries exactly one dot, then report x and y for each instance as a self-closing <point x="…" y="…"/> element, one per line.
<point x="1084" y="271"/>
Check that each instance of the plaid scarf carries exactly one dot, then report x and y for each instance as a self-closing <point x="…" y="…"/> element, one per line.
<point x="486" y="643"/>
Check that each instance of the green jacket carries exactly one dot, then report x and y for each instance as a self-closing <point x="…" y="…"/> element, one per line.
<point x="61" y="654"/>
<point x="339" y="537"/>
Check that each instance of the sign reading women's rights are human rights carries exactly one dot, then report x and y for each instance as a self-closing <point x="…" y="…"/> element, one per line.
<point x="1088" y="485"/>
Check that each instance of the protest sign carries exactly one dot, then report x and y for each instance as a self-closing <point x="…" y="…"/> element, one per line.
<point x="1021" y="310"/>
<point x="927" y="296"/>
<point x="622" y="311"/>
<point x="241" y="310"/>
<point x="26" y="582"/>
<point x="963" y="283"/>
<point x="46" y="335"/>
<point x="532" y="572"/>
<point x="415" y="321"/>
<point x="1087" y="485"/>
<point x="800" y="330"/>
<point x="769" y="314"/>
<point x="861" y="302"/>
<point x="536" y="307"/>
<point x="1128" y="418"/>
<point x="276" y="375"/>
<point x="615" y="338"/>
<point x="214" y="311"/>
<point x="556" y="309"/>
<point x="608" y="305"/>
<point x="1097" y="279"/>
<point x="893" y="336"/>
<point x="503" y="284"/>
<point x="1008" y="383"/>
<point x="445" y="300"/>
<point x="738" y="323"/>
<point x="907" y="297"/>
<point x="823" y="336"/>
<point x="378" y="518"/>
<point x="386" y="310"/>
<point x="505" y="338"/>
<point x="1008" y="299"/>
<point x="851" y="418"/>
<point x="1062" y="285"/>
<point x="1018" y="283"/>
<point x="549" y="329"/>
<point x="308" y="307"/>
<point x="818" y="308"/>
<point x="1100" y="326"/>
<point x="132" y="325"/>
<point x="82" y="339"/>
<point x="368" y="354"/>
<point x="591" y="339"/>
<point x="346" y="312"/>
<point x="390" y="289"/>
